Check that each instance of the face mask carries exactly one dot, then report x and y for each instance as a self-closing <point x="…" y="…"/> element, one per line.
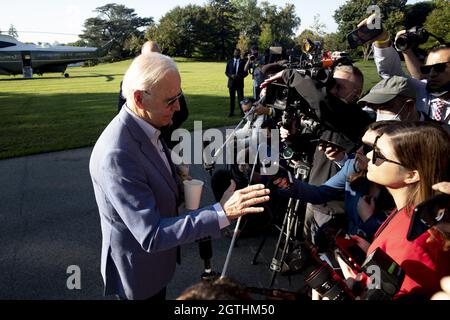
<point x="389" y="117"/>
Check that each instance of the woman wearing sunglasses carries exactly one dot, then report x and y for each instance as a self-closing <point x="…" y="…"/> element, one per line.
<point x="366" y="203"/>
<point x="408" y="159"/>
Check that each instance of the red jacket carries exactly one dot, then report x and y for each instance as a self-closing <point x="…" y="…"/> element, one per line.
<point x="424" y="263"/>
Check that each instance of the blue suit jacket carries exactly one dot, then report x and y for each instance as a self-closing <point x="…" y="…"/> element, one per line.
<point x="137" y="201"/>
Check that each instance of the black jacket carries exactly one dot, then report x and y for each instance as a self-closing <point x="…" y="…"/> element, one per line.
<point x="238" y="82"/>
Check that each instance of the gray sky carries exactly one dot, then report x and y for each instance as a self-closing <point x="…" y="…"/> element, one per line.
<point x="68" y="16"/>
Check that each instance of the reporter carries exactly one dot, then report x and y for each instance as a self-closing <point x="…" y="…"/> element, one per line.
<point x="364" y="207"/>
<point x="408" y="160"/>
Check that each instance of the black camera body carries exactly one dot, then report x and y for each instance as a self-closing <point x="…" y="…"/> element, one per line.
<point x="412" y="38"/>
<point x="305" y="260"/>
<point x="387" y="274"/>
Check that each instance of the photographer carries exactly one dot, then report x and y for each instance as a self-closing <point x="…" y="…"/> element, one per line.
<point x="344" y="124"/>
<point x="254" y="67"/>
<point x="431" y="81"/>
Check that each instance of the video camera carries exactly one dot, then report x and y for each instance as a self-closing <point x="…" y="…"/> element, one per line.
<point x="298" y="109"/>
<point x="414" y="37"/>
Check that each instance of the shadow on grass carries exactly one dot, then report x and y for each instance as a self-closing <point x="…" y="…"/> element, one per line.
<point x="109" y="77"/>
<point x="37" y="123"/>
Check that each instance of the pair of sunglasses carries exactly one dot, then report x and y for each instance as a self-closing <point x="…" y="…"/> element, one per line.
<point x="438" y="68"/>
<point x="376" y="154"/>
<point x="169" y="102"/>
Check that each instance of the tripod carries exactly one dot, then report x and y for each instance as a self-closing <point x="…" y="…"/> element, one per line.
<point x="289" y="226"/>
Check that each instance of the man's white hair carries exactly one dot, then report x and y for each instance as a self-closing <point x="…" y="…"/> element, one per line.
<point x="145" y="72"/>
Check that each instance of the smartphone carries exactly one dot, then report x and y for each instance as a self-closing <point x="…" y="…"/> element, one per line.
<point x="326" y="144"/>
<point x="361" y="35"/>
<point x="350" y="252"/>
<point x="427" y="214"/>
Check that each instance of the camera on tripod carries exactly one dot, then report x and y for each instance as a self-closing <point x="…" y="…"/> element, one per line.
<point x="296" y="113"/>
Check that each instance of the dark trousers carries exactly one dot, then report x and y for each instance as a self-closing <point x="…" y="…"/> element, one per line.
<point x="160" y="296"/>
<point x="240" y="95"/>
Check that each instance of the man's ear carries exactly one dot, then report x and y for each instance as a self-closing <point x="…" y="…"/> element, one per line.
<point x="412" y="176"/>
<point x="138" y="97"/>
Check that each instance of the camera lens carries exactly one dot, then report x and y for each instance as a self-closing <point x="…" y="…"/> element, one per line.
<point x="324" y="282"/>
<point x="402" y="43"/>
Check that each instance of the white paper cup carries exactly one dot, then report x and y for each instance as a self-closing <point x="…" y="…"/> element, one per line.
<point x="192" y="193"/>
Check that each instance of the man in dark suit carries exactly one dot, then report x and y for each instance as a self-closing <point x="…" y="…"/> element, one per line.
<point x="136" y="189"/>
<point x="236" y="74"/>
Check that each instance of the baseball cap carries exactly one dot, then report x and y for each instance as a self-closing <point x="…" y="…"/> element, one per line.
<point x="388" y="89"/>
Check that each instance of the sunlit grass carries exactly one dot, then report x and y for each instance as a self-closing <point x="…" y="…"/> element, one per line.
<point x="52" y="113"/>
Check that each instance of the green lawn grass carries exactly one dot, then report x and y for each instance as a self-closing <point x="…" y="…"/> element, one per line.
<point x="53" y="113"/>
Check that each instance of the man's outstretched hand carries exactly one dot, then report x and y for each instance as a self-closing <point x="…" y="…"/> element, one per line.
<point x="243" y="201"/>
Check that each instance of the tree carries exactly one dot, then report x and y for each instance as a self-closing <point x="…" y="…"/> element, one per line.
<point x="221" y="25"/>
<point x="334" y="42"/>
<point x="282" y="21"/>
<point x="248" y="19"/>
<point x="352" y="12"/>
<point x="265" y="38"/>
<point x="114" y="22"/>
<point x="243" y="43"/>
<point x="318" y="27"/>
<point x="12" y="31"/>
<point x="415" y="14"/>
<point x="134" y="44"/>
<point x="307" y="34"/>
<point x="438" y="22"/>
<point x="180" y="30"/>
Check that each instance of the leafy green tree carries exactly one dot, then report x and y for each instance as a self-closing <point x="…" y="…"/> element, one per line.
<point x="283" y="22"/>
<point x="134" y="43"/>
<point x="265" y="38"/>
<point x="243" y="43"/>
<point x="179" y="30"/>
<point x="352" y="12"/>
<point x="334" y="41"/>
<point x="416" y="14"/>
<point x="438" y="22"/>
<point x="248" y="19"/>
<point x="114" y="22"/>
<point x="307" y="34"/>
<point x="221" y="25"/>
<point x="317" y="26"/>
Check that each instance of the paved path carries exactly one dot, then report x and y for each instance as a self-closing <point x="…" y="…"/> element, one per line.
<point x="49" y="221"/>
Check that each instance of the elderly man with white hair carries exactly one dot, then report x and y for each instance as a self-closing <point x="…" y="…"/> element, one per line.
<point x="136" y="190"/>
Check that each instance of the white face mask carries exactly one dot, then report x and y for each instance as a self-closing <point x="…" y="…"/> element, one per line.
<point x="389" y="117"/>
<point x="386" y="117"/>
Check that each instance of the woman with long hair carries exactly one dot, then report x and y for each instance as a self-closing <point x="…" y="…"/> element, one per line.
<point x="408" y="160"/>
<point x="366" y="203"/>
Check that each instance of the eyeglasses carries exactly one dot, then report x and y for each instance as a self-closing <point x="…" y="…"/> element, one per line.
<point x="170" y="101"/>
<point x="378" y="155"/>
<point x="438" y="67"/>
